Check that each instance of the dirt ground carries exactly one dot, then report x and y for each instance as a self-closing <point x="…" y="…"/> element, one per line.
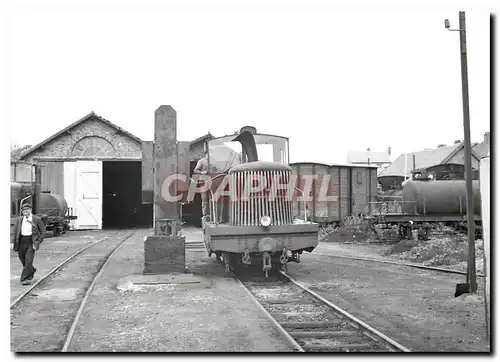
<point x="52" y="252"/>
<point x="444" y="248"/>
<point x="40" y="322"/>
<point x="208" y="313"/>
<point x="415" y="307"/>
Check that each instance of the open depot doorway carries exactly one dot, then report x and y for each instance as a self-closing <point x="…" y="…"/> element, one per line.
<point x="122" y="196"/>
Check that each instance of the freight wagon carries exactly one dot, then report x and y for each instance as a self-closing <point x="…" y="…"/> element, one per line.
<point x="335" y="192"/>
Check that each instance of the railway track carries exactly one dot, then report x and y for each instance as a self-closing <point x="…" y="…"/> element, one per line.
<point x="44" y="317"/>
<point x="310" y="322"/>
<point x="410" y="265"/>
<point x="59" y="266"/>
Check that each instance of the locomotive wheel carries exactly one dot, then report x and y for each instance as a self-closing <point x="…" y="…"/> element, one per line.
<point x="218" y="257"/>
<point x="229" y="262"/>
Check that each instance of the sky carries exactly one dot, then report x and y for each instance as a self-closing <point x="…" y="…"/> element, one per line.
<point x="332" y="78"/>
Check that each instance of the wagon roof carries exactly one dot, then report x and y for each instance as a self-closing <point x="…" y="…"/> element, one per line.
<point x="332" y="164"/>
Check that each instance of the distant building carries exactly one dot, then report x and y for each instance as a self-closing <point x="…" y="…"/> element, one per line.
<point x="379" y="159"/>
<point x="483" y="149"/>
<point x="442" y="163"/>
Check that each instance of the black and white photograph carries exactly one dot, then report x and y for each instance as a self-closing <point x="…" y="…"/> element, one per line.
<point x="242" y="176"/>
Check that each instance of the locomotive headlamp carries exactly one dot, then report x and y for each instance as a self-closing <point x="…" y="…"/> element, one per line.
<point x="265" y="221"/>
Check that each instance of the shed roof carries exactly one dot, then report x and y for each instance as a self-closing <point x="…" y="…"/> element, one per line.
<point x="81" y="120"/>
<point x="205" y="137"/>
<point x="423" y="159"/>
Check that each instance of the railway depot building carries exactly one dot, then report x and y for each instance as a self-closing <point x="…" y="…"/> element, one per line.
<point x="105" y="173"/>
<point x="96" y="166"/>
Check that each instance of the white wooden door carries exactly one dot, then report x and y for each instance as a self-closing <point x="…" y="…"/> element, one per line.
<point x="89" y="194"/>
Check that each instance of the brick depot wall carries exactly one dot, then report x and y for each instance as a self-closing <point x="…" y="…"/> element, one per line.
<point x="62" y="146"/>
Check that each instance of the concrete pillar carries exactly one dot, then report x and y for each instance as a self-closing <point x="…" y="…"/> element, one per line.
<point x="164" y="252"/>
<point x="148" y="173"/>
<point x="165" y="161"/>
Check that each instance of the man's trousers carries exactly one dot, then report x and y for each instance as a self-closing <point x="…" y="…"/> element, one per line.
<point x="26" y="255"/>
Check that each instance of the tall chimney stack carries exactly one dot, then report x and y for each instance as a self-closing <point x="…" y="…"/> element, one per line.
<point x="389" y="151"/>
<point x="487" y="138"/>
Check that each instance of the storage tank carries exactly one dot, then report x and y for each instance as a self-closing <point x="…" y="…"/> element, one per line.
<point x="53" y="204"/>
<point x="439" y="197"/>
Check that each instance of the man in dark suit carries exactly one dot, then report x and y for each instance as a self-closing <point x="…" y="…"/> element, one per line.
<point x="29" y="232"/>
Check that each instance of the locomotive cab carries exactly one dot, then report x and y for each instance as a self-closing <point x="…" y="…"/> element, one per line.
<point x="251" y="199"/>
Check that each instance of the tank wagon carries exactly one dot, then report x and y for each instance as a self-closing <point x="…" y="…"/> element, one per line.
<point x="336" y="191"/>
<point x="429" y="201"/>
<point x="55" y="212"/>
<point x="253" y="223"/>
<point x="25" y="188"/>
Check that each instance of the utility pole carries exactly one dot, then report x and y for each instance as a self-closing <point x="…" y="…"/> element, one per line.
<point x="471" y="226"/>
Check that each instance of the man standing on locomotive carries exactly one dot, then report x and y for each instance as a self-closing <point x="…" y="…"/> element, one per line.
<point x="29" y="232"/>
<point x="202" y="169"/>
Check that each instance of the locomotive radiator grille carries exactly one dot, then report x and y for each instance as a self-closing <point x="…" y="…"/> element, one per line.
<point x="247" y="208"/>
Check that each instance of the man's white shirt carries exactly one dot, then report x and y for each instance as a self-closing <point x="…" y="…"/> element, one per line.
<point x="27" y="229"/>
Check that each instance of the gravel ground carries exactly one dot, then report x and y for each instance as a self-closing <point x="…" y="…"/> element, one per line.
<point x="52" y="252"/>
<point x="41" y="320"/>
<point x="416" y="308"/>
<point x="212" y="313"/>
<point x="445" y="248"/>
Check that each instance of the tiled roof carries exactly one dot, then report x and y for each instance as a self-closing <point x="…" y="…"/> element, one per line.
<point x="482" y="149"/>
<point x="88" y="116"/>
<point x="423" y="159"/>
<point x="202" y="138"/>
<point x="364" y="156"/>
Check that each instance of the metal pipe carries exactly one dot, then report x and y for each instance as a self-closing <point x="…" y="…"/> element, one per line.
<point x="240" y="202"/>
<point x="247" y="198"/>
